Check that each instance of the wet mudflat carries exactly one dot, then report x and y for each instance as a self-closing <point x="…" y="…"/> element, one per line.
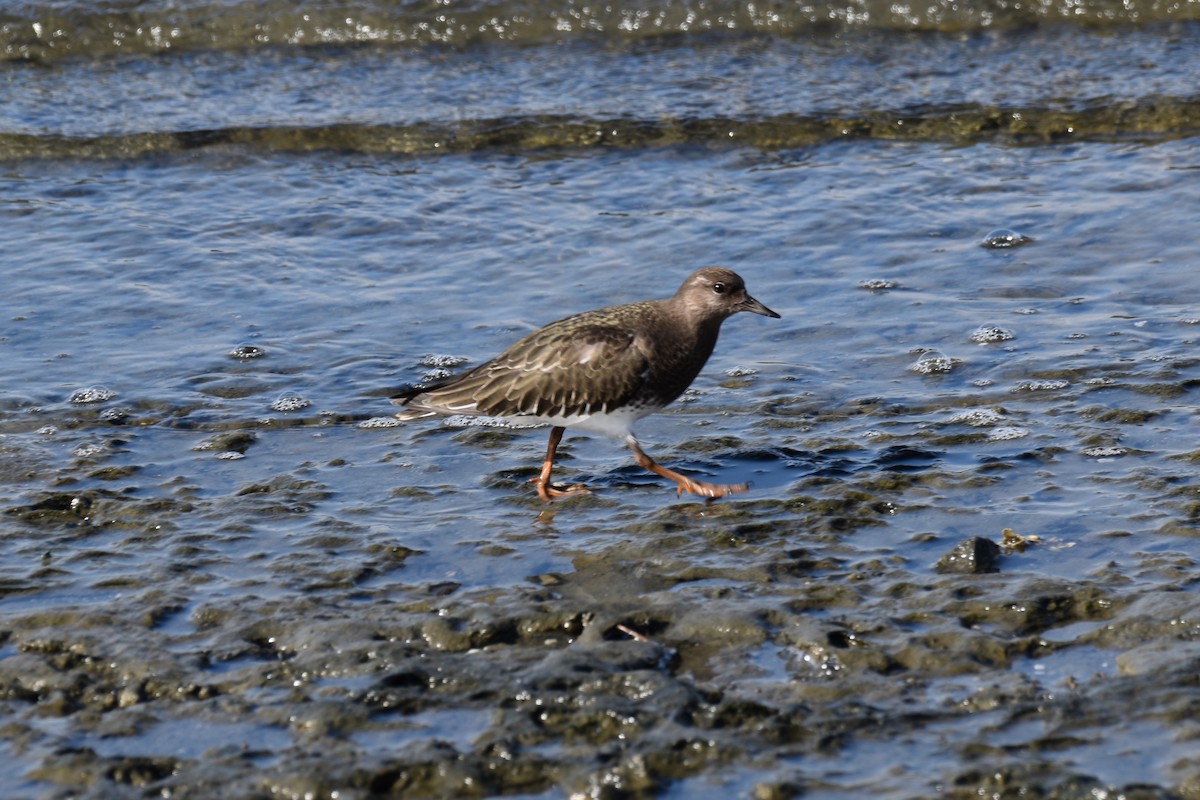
<point x="967" y="566"/>
<point x="223" y="569"/>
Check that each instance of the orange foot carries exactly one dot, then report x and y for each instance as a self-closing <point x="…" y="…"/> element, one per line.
<point x="686" y="484"/>
<point x="549" y="492"/>
<point x="682" y="482"/>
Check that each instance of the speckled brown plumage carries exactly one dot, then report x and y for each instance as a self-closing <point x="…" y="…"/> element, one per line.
<point x="600" y="370"/>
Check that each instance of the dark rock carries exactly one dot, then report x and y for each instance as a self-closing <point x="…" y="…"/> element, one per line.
<point x="972" y="556"/>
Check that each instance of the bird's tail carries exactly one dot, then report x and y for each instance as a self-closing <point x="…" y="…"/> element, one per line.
<point x="403" y="398"/>
<point x="415" y="413"/>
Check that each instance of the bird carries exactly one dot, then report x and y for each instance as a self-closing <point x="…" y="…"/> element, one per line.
<point x="600" y="371"/>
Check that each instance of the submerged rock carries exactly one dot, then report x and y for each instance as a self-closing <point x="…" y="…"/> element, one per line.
<point x="1003" y="238"/>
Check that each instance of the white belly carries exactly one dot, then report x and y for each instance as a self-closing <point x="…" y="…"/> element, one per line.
<point x="616" y="424"/>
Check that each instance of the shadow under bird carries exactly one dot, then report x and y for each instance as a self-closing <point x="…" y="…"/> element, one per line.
<point x="600" y="371"/>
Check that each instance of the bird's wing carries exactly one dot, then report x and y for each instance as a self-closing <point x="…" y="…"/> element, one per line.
<point x="569" y="368"/>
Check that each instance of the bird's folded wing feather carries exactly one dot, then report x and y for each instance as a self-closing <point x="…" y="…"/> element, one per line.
<point x="559" y="371"/>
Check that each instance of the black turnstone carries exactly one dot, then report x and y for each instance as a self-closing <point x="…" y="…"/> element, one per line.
<point x="600" y="371"/>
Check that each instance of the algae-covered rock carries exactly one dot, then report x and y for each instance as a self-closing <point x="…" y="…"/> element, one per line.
<point x="973" y="556"/>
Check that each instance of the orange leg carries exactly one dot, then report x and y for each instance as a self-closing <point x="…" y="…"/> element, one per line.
<point x="545" y="490"/>
<point x="683" y="482"/>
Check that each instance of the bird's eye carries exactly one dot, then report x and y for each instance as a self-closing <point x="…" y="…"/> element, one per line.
<point x="719" y="288"/>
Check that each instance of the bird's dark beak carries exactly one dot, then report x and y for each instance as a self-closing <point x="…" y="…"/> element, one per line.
<point x="752" y="305"/>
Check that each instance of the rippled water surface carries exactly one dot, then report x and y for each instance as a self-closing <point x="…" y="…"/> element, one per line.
<point x="967" y="563"/>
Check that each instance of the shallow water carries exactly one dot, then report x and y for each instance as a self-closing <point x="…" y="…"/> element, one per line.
<point x="222" y="572"/>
